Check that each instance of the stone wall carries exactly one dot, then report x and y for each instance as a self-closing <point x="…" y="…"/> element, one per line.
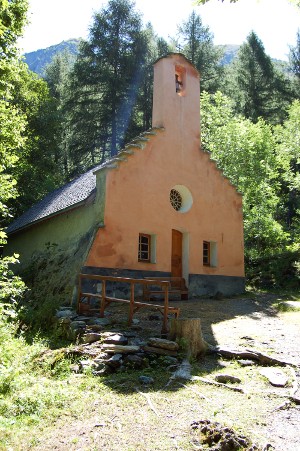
<point x="210" y="285"/>
<point x="199" y="284"/>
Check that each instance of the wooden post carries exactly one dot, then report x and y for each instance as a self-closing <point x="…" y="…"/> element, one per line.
<point x="189" y="329"/>
<point x="103" y="300"/>
<point x="131" y="305"/>
<point x="165" y="328"/>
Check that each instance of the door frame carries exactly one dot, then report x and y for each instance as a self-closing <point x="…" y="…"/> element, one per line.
<point x="176" y="253"/>
<point x="184" y="253"/>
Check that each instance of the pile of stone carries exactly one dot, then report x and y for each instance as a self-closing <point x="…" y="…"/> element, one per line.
<point x="106" y="352"/>
<point x="120" y="351"/>
<point x="72" y="326"/>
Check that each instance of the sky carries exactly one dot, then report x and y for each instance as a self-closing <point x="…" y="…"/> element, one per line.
<point x="275" y="21"/>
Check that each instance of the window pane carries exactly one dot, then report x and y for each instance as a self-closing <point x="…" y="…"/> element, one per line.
<point x="144" y="247"/>
<point x="206" y="253"/>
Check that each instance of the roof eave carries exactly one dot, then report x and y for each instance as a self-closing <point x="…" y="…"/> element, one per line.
<point x="50" y="216"/>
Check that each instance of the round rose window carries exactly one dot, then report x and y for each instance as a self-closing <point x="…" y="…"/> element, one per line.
<point x="175" y="199"/>
<point x="181" y="198"/>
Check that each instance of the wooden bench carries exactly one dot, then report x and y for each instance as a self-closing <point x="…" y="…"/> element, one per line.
<point x="177" y="286"/>
<point x="105" y="300"/>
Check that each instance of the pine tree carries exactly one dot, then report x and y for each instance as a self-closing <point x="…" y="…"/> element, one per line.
<point x="255" y="85"/>
<point x="294" y="57"/>
<point x="195" y="40"/>
<point x="12" y="137"/>
<point x="156" y="47"/>
<point x="104" y="84"/>
<point x="57" y="76"/>
<point x="294" y="65"/>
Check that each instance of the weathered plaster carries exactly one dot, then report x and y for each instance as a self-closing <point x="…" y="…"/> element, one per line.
<point x="137" y="199"/>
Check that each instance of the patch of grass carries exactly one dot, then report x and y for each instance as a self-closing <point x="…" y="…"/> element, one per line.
<point x="286" y="307"/>
<point x="288" y="301"/>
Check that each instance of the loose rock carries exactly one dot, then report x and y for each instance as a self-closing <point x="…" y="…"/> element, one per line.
<point x="91" y="337"/>
<point x="275" y="376"/>
<point x="170" y="360"/>
<point x="65" y="314"/>
<point x="82" y="318"/>
<point x="115" y="349"/>
<point x="160" y="351"/>
<point x="244" y="362"/>
<point x="86" y="364"/>
<point x="75" y="325"/>
<point x="101" y="321"/>
<point x="115" y="361"/>
<point x="225" y="378"/>
<point x="116" y="339"/>
<point x="164" y="344"/>
<point x="135" y="361"/>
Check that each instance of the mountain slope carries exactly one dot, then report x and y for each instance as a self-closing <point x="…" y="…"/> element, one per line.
<point x="38" y="60"/>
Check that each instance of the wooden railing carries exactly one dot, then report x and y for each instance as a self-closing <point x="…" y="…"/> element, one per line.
<point x="134" y="305"/>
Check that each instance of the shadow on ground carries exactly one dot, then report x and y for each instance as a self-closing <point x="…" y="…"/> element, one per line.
<point x="214" y="313"/>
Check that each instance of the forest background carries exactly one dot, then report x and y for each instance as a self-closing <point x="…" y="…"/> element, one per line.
<point x="87" y="105"/>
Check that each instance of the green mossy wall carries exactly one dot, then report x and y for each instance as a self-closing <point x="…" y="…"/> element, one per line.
<point x="53" y="252"/>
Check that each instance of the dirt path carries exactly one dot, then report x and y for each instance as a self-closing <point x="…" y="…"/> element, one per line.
<point x="255" y="324"/>
<point x="251" y="322"/>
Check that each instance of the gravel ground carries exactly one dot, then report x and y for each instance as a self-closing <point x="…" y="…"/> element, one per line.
<point x="254" y="323"/>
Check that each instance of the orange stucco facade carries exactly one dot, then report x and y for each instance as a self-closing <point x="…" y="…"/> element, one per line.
<point x="137" y="198"/>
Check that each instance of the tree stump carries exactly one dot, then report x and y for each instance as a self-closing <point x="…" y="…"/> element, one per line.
<point x="190" y="331"/>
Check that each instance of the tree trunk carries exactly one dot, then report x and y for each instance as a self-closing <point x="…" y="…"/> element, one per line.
<point x="189" y="330"/>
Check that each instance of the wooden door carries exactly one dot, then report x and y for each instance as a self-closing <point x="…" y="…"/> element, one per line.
<point x="176" y="261"/>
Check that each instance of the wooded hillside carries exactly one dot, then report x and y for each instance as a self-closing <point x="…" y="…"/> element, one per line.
<point x="93" y="100"/>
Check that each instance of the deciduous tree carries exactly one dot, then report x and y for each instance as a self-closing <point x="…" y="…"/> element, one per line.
<point x="12" y="20"/>
<point x="244" y="151"/>
<point x="288" y="155"/>
<point x="37" y="171"/>
<point x="13" y="123"/>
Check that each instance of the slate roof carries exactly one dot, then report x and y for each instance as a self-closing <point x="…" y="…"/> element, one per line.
<point x="72" y="194"/>
<point x="76" y="192"/>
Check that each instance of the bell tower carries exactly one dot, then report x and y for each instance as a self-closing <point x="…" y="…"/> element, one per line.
<point x="176" y="96"/>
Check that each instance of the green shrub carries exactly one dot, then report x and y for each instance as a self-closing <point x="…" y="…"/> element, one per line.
<point x="276" y="271"/>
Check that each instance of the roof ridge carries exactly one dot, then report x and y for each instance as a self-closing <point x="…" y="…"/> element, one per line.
<point x="78" y="190"/>
<point x="137" y="143"/>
